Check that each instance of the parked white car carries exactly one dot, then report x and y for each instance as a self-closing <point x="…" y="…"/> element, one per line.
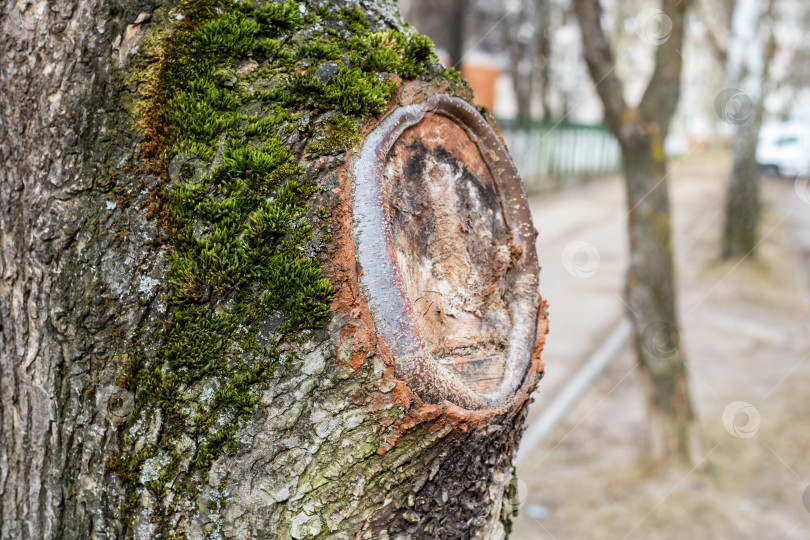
<point x="784" y="149"/>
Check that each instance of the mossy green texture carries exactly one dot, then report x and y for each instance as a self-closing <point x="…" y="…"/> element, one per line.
<point x="341" y="132"/>
<point x="238" y="228"/>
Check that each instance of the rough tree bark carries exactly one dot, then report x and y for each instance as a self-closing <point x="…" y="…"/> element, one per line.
<point x="650" y="286"/>
<point x="331" y="331"/>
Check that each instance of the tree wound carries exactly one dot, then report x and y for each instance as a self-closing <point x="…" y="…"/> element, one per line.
<point x="446" y="245"/>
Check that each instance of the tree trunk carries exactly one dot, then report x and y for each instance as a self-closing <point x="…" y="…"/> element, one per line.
<point x="544" y="55"/>
<point x="252" y="348"/>
<point x="650" y="286"/>
<point x="651" y="301"/>
<point x="749" y="57"/>
<point x="457" y="31"/>
<point x="741" y="226"/>
<point x="522" y="47"/>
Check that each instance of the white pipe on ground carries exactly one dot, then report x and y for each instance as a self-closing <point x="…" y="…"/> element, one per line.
<point x="574" y="390"/>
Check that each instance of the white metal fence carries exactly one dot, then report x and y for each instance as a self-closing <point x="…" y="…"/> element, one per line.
<point x="555" y="156"/>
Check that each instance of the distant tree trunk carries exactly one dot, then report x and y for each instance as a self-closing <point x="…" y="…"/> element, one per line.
<point x="522" y="34"/>
<point x="650" y="287"/>
<point x="172" y="361"/>
<point x="456" y="30"/>
<point x="743" y="212"/>
<point x="651" y="298"/>
<point x="544" y="53"/>
<point x="751" y="50"/>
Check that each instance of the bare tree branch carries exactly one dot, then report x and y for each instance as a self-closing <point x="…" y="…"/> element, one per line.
<point x="661" y="96"/>
<point x="770" y="48"/>
<point x="601" y="64"/>
<point x="718" y="34"/>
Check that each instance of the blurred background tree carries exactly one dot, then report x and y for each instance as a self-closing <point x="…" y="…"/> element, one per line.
<point x="749" y="54"/>
<point x="650" y="286"/>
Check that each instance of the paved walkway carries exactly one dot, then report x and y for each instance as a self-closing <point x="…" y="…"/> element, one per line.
<point x="582" y="249"/>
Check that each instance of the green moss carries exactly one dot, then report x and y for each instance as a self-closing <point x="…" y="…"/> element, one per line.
<point x="355" y="19"/>
<point x="453" y="74"/>
<point x="238" y="229"/>
<point x="355" y="91"/>
<point x="392" y="52"/>
<point x="341" y="132"/>
<point x="277" y="18"/>
<point x="204" y="110"/>
<point x="320" y="49"/>
<point x="266" y="47"/>
<point x="358" y="92"/>
<point x="323" y="13"/>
